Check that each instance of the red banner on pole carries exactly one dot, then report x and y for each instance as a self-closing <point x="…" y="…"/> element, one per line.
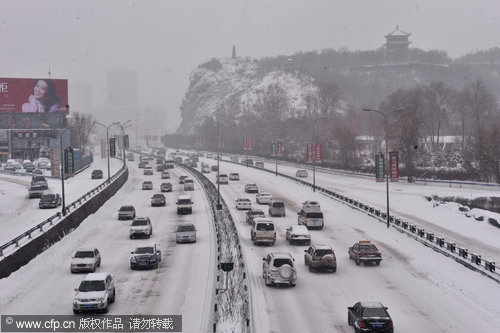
<point x="280" y="149"/>
<point x="249" y="146"/>
<point x="394" y="166"/>
<point x="317" y="150"/>
<point x="103" y="148"/>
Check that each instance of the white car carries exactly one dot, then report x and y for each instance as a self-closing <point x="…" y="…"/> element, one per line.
<point x="234" y="176"/>
<point x="43" y="163"/>
<point x="301" y="173"/>
<point x="263" y="198"/>
<point x="95" y="293"/>
<point x="222" y="179"/>
<point x="279" y="268"/>
<point x="243" y="203"/>
<point x="298" y="234"/>
<point x="186" y="233"/>
<point x="141" y="226"/>
<point x="85" y="260"/>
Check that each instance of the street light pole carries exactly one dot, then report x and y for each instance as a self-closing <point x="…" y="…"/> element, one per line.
<point x="123" y="140"/>
<point x="219" y="207"/>
<point x="386" y="164"/>
<point x="107" y="143"/>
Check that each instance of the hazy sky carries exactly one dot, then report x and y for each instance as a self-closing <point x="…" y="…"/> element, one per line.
<point x="163" y="40"/>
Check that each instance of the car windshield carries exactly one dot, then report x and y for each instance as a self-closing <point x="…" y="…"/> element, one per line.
<point x="243" y="200"/>
<point x="183" y="228"/>
<point x="126" y="208"/>
<point x="139" y="222"/>
<point x="265" y="226"/>
<point x="375" y="312"/>
<point x="84" y="254"/>
<point x="49" y="197"/>
<point x="143" y="250"/>
<point x="278" y="204"/>
<point x="92" y="286"/>
<point x="158" y="196"/>
<point x="146" y="183"/>
<point x="281" y="262"/>
<point x="184" y="202"/>
<point x="188" y="181"/>
<point x="256" y="212"/>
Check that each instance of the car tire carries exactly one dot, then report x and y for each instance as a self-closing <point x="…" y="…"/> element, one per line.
<point x="112" y="299"/>
<point x="157" y="264"/>
<point x="357" y="262"/>
<point x="378" y="263"/>
<point x="132" y="267"/>
<point x="268" y="282"/>
<point x="292" y="285"/>
<point x="349" y="321"/>
<point x="311" y="269"/>
<point x="99" y="263"/>
<point x="106" y="309"/>
<point x="334" y="269"/>
<point x="93" y="269"/>
<point x="76" y="311"/>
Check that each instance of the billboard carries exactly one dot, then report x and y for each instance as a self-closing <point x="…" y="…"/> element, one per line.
<point x="26" y="103"/>
<point x="394" y="166"/>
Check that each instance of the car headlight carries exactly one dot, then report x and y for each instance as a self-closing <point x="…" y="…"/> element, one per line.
<point x="133" y="260"/>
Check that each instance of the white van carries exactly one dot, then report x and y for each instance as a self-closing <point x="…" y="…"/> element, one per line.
<point x="184" y="204"/>
<point x="263" y="231"/>
<point x="311" y="215"/>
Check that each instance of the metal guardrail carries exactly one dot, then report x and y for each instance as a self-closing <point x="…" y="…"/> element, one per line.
<point x="56" y="217"/>
<point x="462" y="255"/>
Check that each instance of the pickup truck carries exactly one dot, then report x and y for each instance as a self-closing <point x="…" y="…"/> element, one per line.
<point x="36" y="191"/>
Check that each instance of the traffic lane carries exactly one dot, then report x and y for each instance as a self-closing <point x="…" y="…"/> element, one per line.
<point x="110" y="236"/>
<point x="341" y="231"/>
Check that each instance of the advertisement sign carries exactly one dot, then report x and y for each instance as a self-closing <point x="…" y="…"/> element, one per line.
<point x="379" y="167"/>
<point x="317" y="151"/>
<point x="280" y="148"/>
<point x="126" y="141"/>
<point x="273" y="149"/>
<point x="249" y="145"/>
<point x="112" y="147"/>
<point x="69" y="162"/>
<point x="27" y="103"/>
<point x="54" y="163"/>
<point x="394" y="166"/>
<point x="309" y="153"/>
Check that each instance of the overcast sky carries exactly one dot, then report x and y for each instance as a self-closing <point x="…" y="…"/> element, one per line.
<point x="163" y="40"/>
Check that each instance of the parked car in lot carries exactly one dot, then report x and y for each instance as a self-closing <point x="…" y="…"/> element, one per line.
<point x="185" y="233"/>
<point x="147" y="185"/>
<point x="97" y="174"/>
<point x="95" y="293"/>
<point x="222" y="179"/>
<point x="251" y="188"/>
<point x="259" y="164"/>
<point x="279" y="268"/>
<point x="158" y="200"/>
<point x="141" y="227"/>
<point x="365" y="252"/>
<point x="301" y="173"/>
<point x="188" y="184"/>
<point x="29" y="167"/>
<point x="50" y="201"/>
<point x="43" y="163"/>
<point x="263" y="231"/>
<point x="263" y="198"/>
<point x="276" y="208"/>
<point x="370" y="317"/>
<point x="234" y="176"/>
<point x="253" y="213"/>
<point x="145" y="257"/>
<point x="320" y="257"/>
<point x="166" y="187"/>
<point x="298" y="234"/>
<point x="165" y="175"/>
<point x="243" y="203"/>
<point x="85" y="260"/>
<point x="126" y="212"/>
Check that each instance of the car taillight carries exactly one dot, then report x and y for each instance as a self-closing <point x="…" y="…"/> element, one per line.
<point x="362" y="324"/>
<point x="254" y="234"/>
<point x="390" y="325"/>
<point x="313" y="256"/>
<point x="275" y="234"/>
<point x="379" y="254"/>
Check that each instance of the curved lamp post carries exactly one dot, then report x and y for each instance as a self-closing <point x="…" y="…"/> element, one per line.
<point x="107" y="141"/>
<point x="386" y="164"/>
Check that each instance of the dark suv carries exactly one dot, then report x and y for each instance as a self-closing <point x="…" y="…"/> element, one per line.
<point x="145" y="257"/>
<point x="97" y="174"/>
<point x="369" y="317"/>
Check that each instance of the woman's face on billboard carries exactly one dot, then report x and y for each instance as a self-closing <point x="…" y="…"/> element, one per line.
<point x="40" y="89"/>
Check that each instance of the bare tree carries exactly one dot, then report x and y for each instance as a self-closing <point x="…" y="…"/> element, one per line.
<point x="438" y="102"/>
<point x="81" y="129"/>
